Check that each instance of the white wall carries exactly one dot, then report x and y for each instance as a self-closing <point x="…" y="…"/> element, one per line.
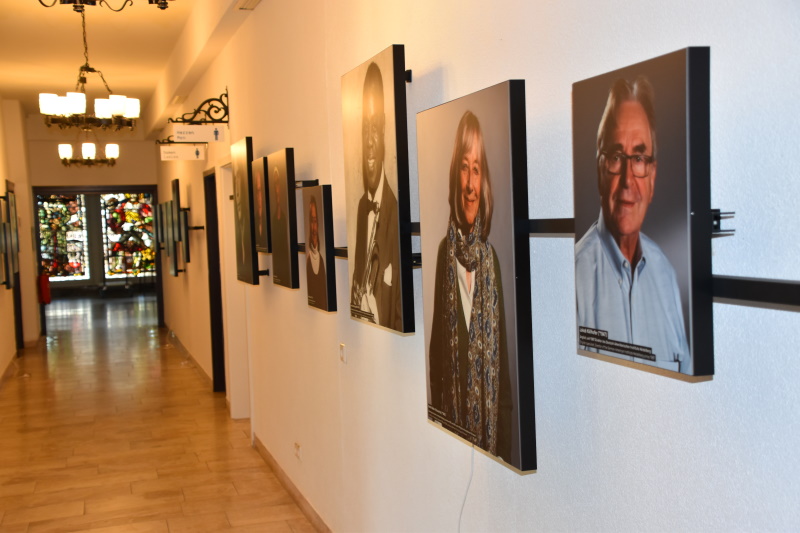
<point x="8" y="344"/>
<point x="18" y="172"/>
<point x="618" y="449"/>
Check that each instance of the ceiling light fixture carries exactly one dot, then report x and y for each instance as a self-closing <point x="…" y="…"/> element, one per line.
<point x="78" y="5"/>
<point x="89" y="155"/>
<point x="116" y="111"/>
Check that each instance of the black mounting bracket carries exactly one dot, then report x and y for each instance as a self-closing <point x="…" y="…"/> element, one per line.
<point x="717" y="217"/>
<point x="210" y="111"/>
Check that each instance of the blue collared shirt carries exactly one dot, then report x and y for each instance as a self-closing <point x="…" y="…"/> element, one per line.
<point x="640" y="306"/>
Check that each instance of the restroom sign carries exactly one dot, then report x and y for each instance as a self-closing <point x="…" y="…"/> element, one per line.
<point x="183" y="152"/>
<point x="202" y="133"/>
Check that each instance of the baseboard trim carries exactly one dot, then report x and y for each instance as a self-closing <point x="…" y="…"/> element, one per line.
<point x="290" y="487"/>
<point x="173" y="339"/>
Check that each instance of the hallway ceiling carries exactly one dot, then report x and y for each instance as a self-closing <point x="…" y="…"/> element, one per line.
<point x="41" y="48"/>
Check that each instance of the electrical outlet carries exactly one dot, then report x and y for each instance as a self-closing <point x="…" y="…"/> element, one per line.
<point x="297" y="449"/>
<point x="342" y="353"/>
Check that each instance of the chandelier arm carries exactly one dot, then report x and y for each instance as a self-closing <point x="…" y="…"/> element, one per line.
<point x="105" y="82"/>
<point x="124" y="4"/>
<point x="51" y="5"/>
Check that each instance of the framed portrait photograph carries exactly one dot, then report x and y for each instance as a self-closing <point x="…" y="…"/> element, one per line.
<point x="246" y="256"/>
<point x="13" y="219"/>
<point x="283" y="218"/>
<point x="5" y="238"/>
<point x="171" y="245"/>
<point x="159" y="223"/>
<point x="476" y="276"/>
<point x="643" y="222"/>
<point x="320" y="267"/>
<point x="261" y="205"/>
<point x="183" y="219"/>
<point x="376" y="191"/>
<point x="177" y="233"/>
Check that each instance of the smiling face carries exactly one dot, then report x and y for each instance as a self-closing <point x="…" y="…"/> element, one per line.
<point x="372" y="132"/>
<point x="470" y="183"/>
<point x="625" y="198"/>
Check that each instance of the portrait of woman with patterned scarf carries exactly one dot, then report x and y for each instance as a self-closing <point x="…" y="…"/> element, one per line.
<point x="468" y="358"/>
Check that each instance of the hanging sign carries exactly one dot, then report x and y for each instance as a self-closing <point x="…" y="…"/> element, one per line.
<point x="198" y="133"/>
<point x="183" y="152"/>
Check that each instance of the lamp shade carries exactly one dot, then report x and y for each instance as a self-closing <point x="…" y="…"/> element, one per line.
<point x="117" y="104"/>
<point x="102" y="108"/>
<point x="112" y="151"/>
<point x="48" y="103"/>
<point x="131" y="108"/>
<point x="88" y="150"/>
<point x="62" y="106"/>
<point x="76" y="103"/>
<point x="65" y="151"/>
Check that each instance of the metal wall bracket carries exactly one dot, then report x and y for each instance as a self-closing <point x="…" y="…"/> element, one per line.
<point x="717" y="217"/>
<point x="210" y="111"/>
<point x="565" y="226"/>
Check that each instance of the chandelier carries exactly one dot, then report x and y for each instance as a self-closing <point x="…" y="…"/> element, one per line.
<point x="78" y="5"/>
<point x="116" y="111"/>
<point x="89" y="155"/>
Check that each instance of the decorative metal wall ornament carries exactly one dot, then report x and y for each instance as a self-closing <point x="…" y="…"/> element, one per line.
<point x="116" y="111"/>
<point x="211" y="111"/>
<point x="78" y="5"/>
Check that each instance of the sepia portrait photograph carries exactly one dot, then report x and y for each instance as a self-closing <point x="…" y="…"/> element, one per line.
<point x="320" y="267"/>
<point x="376" y="192"/>
<point x="642" y="214"/>
<point x="261" y="205"/>
<point x="476" y="283"/>
<point x="283" y="221"/>
<point x="246" y="257"/>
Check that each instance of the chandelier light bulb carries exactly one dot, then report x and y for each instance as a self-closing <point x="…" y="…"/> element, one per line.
<point x="62" y="106"/>
<point x="76" y="103"/>
<point x="102" y="108"/>
<point x="65" y="151"/>
<point x="117" y="104"/>
<point x="131" y="108"/>
<point x="48" y="103"/>
<point x="112" y="151"/>
<point x="88" y="150"/>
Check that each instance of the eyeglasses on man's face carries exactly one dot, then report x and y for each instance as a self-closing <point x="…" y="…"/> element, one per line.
<point x="615" y="162"/>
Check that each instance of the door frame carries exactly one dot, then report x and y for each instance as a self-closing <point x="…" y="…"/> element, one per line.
<point x="97" y="189"/>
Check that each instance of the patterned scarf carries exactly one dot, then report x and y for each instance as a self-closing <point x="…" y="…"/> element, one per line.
<point x="483" y="355"/>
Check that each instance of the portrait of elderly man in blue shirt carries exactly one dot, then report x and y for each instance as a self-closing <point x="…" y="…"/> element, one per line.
<point x="625" y="284"/>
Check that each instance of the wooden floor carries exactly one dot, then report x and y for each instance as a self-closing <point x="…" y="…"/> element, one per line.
<point x="107" y="428"/>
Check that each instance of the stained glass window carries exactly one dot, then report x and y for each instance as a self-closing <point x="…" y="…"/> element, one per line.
<point x="128" y="235"/>
<point x="62" y="230"/>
